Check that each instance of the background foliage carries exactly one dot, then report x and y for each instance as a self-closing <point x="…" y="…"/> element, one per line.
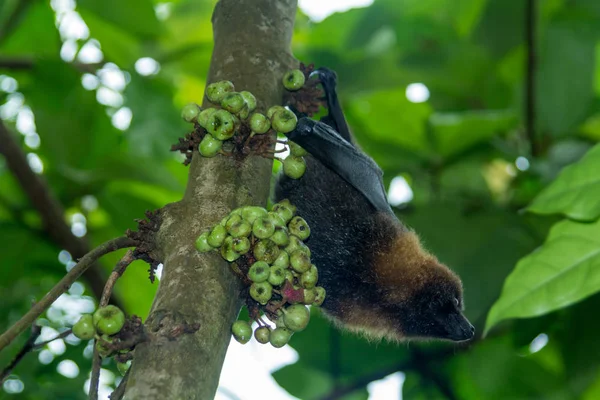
<point x="517" y="219"/>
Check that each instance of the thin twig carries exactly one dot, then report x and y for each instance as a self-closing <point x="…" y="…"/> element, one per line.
<point x="120" y="390"/>
<point x="63" y="285"/>
<point x="530" y="114"/>
<point x="62" y="335"/>
<point x="95" y="376"/>
<point x="46" y="203"/>
<point x="29" y="345"/>
<point x="116" y="273"/>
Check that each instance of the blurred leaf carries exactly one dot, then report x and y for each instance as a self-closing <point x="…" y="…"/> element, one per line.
<point x="303" y="382"/>
<point x="406" y="129"/>
<point x="580" y="357"/>
<point x="566" y="72"/>
<point x="73" y="127"/>
<point x="575" y="192"/>
<point x="456" y="132"/>
<point x="558" y="274"/>
<point x="36" y="34"/>
<point x="492" y="30"/>
<point x="528" y="379"/>
<point x="118" y="45"/>
<point x="135" y="16"/>
<point x="156" y="123"/>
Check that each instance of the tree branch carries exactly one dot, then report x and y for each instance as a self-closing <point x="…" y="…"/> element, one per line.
<point x="39" y="193"/>
<point x="252" y="49"/>
<point x="63" y="285"/>
<point x="29" y="345"/>
<point x="530" y="67"/>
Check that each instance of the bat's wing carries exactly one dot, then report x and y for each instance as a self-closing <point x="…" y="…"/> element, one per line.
<point x="336" y="153"/>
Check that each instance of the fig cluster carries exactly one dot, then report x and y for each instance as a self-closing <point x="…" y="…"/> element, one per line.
<point x="266" y="250"/>
<point x="236" y="109"/>
<point x="105" y="322"/>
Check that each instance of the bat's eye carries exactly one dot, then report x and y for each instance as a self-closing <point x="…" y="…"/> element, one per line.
<point x="456" y="302"/>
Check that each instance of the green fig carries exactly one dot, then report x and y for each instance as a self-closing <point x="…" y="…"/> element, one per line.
<point x="259" y="272"/>
<point x="296" y="317"/>
<point x="242" y="331"/>
<point x="202" y="243"/>
<point x="284" y="121"/>
<point x="209" y="146"/>
<point x="215" y="92"/>
<point x="190" y="112"/>
<point x="109" y="319"/>
<point x="84" y="328"/>
<point x="259" y="123"/>
<point x="293" y="80"/>
<point x="261" y="292"/>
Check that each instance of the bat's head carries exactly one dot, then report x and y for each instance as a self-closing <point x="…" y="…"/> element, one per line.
<point x="435" y="310"/>
<point x="423" y="298"/>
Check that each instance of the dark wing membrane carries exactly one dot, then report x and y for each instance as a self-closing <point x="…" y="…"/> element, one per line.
<point x="336" y="153"/>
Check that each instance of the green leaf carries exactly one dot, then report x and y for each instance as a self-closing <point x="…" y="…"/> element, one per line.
<point x="303" y="382"/>
<point x="35" y="34"/>
<point x="456" y="132"/>
<point x="134" y="16"/>
<point x="575" y="192"/>
<point x="566" y="75"/>
<point x="406" y="129"/>
<point x="562" y="272"/>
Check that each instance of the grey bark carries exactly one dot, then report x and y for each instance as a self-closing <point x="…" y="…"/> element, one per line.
<point x="252" y="49"/>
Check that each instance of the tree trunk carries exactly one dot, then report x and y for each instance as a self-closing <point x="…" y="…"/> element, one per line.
<point x="252" y="49"/>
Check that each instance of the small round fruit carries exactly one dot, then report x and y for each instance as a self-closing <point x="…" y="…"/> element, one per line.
<point x="241" y="245"/>
<point x="227" y="251"/>
<point x="309" y="279"/>
<point x="233" y="102"/>
<point x="293" y="80"/>
<point x="282" y="260"/>
<point x="221" y="125"/>
<point x="205" y="115"/>
<point x="217" y="236"/>
<point x="280" y="337"/>
<point x="283" y="211"/>
<point x="271" y="111"/>
<point x="232" y="220"/>
<point x="252" y="213"/>
<point x="217" y="90"/>
<point x="284" y="121"/>
<point x="263" y="228"/>
<point x="294" y="167"/>
<point x="259" y="123"/>
<point x="320" y="296"/>
<point x="288" y="204"/>
<point x="249" y="99"/>
<point x="209" y="146"/>
<point x="190" y="112"/>
<point x="296" y="317"/>
<point x="266" y="250"/>
<point x="244" y="112"/>
<point x="296" y="150"/>
<point x="84" y="328"/>
<point x="109" y="319"/>
<point x="261" y="292"/>
<point x="277" y="275"/>
<point x="300" y="261"/>
<point x="277" y="220"/>
<point x="281" y="237"/>
<point x="202" y="243"/>
<point x="297" y="244"/>
<point x="262" y="334"/>
<point x="309" y="296"/>
<point x="259" y="272"/>
<point x="298" y="227"/>
<point x="242" y="331"/>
